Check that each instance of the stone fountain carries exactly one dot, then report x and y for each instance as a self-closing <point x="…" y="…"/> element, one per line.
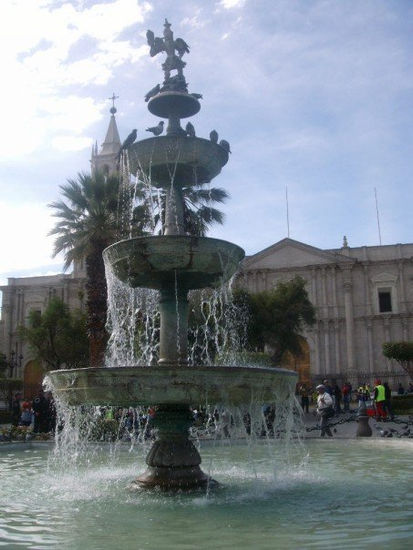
<point x="173" y="263"/>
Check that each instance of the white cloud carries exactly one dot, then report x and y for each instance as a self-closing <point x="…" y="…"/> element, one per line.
<point x="230" y="4"/>
<point x="35" y="57"/>
<point x="71" y="143"/>
<point x="24" y="228"/>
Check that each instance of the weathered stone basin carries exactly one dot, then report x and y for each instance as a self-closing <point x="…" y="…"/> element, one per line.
<point x="174" y="261"/>
<point x="132" y="386"/>
<point x="183" y="159"/>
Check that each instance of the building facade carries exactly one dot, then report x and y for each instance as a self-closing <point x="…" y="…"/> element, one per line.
<point x="23" y="294"/>
<point x="363" y="298"/>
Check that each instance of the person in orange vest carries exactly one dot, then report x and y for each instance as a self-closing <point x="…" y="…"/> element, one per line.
<point x="379" y="399"/>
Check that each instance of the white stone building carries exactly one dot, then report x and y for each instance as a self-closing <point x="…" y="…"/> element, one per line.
<point x="363" y="297"/>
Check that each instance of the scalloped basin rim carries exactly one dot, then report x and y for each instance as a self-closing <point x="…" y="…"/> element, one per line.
<point x="161" y="261"/>
<point x="158" y="385"/>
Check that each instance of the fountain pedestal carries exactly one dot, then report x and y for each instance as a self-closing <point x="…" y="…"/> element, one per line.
<point x="173" y="460"/>
<point x="363" y="427"/>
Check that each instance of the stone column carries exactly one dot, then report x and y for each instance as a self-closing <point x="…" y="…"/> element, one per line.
<point x="402" y="296"/>
<point x="174" y="213"/>
<point x="326" y="346"/>
<point x="367" y="294"/>
<point x="334" y="285"/>
<point x="317" y="347"/>
<point x="265" y="277"/>
<point x="256" y="284"/>
<point x="370" y="344"/>
<point x="314" y="284"/>
<point x="348" y="307"/>
<point x="324" y="291"/>
<point x="337" y="344"/>
<point x="405" y="329"/>
<point x="173" y="346"/>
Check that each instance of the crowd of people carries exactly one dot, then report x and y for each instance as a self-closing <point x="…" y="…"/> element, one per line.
<point x="330" y="399"/>
<point x="38" y="413"/>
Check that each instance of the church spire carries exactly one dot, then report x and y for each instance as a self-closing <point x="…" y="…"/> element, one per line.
<point x="105" y="159"/>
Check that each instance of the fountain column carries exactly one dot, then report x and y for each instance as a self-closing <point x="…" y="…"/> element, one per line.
<point x="173" y="346"/>
<point x="174" y="211"/>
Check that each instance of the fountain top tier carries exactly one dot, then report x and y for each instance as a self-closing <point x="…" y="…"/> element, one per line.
<point x="172" y="98"/>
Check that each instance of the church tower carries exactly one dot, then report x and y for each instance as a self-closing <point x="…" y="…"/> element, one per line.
<point x="105" y="160"/>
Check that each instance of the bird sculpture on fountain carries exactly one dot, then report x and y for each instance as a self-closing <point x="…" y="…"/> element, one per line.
<point x="128" y="142"/>
<point x="213" y="136"/>
<point x="156" y="130"/>
<point x="152" y="92"/>
<point x="225" y="145"/>
<point x="190" y="130"/>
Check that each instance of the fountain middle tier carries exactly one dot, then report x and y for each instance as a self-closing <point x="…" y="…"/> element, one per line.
<point x="174" y="261"/>
<point x="180" y="159"/>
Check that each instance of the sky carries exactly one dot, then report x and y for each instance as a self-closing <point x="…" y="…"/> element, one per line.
<point x="314" y="96"/>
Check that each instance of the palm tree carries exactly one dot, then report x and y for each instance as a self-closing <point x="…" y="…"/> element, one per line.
<point x="89" y="221"/>
<point x="199" y="214"/>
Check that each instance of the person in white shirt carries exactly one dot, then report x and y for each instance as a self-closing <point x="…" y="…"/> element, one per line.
<point x="324" y="409"/>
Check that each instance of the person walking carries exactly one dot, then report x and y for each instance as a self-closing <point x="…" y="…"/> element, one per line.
<point x="40" y="408"/>
<point x="387" y="403"/>
<point x="346" y="391"/>
<point x="337" y="398"/>
<point x="324" y="410"/>
<point x="379" y="400"/>
<point x="363" y="395"/>
<point x="27" y="415"/>
<point x="327" y="387"/>
<point x="305" y="397"/>
<point x="16" y="409"/>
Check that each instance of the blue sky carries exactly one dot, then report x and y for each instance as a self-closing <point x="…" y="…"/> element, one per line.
<point x="312" y="95"/>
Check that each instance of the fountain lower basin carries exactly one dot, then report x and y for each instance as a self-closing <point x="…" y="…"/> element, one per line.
<point x="165" y="385"/>
<point x="173" y="460"/>
<point x="44" y="504"/>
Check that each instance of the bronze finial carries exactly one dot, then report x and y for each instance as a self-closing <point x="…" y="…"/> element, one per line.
<point x="113" y="109"/>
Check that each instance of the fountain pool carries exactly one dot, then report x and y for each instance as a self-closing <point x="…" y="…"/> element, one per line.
<point x="349" y="494"/>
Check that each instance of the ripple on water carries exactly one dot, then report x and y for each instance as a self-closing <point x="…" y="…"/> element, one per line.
<point x="356" y="493"/>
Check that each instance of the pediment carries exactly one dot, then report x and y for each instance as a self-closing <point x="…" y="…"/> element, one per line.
<point x="289" y="253"/>
<point x="384" y="278"/>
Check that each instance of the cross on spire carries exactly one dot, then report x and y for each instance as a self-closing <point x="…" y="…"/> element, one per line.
<point x="113" y="108"/>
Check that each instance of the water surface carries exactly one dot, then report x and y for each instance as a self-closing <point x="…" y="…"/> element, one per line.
<point x="353" y="494"/>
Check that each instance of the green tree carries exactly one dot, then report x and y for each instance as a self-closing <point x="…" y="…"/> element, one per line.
<point x="199" y="212"/>
<point x="92" y="218"/>
<point x="58" y="336"/>
<point x="277" y="317"/>
<point x="402" y="352"/>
